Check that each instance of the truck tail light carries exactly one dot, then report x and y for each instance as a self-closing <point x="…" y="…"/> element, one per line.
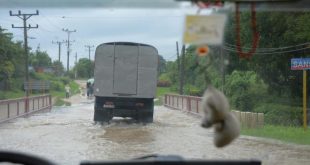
<point x="108" y="104"/>
<point x="139" y="104"/>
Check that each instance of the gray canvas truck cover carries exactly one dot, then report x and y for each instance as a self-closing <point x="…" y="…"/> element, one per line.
<point x="125" y="69"/>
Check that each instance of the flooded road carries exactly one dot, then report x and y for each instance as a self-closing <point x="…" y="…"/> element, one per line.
<point x="67" y="135"/>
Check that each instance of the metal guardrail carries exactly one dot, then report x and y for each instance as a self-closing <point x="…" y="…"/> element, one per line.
<point x="193" y="105"/>
<point x="13" y="108"/>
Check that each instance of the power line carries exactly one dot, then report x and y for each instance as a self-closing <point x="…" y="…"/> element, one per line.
<point x="264" y="53"/>
<point x="106" y="17"/>
<point x="270" y="49"/>
<point x="25" y="17"/>
<point x="169" y="58"/>
<point x="50" y="21"/>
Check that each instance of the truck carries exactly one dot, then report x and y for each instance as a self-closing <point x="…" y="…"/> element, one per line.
<point x="125" y="80"/>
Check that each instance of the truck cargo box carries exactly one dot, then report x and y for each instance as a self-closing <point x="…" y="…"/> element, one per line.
<point x="125" y="69"/>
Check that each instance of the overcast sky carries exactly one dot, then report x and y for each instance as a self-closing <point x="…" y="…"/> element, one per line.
<point x="158" y="27"/>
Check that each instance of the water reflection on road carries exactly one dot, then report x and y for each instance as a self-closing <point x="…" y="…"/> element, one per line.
<point x="68" y="135"/>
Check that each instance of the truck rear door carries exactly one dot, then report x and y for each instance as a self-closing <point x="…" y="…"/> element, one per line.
<point x="125" y="69"/>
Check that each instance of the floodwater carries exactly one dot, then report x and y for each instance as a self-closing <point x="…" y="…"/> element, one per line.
<point x="68" y="135"/>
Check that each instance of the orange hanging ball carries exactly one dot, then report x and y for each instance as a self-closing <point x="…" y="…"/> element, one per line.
<point x="202" y="51"/>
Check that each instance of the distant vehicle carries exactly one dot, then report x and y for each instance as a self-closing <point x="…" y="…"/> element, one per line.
<point x="125" y="81"/>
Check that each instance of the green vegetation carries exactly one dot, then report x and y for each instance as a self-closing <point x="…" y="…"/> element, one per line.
<point x="263" y="82"/>
<point x="279" y="114"/>
<point x="84" y="69"/>
<point x="160" y="92"/>
<point x="288" y="134"/>
<point x="58" y="87"/>
<point x="60" y="102"/>
<point x="41" y="67"/>
<point x="11" y="94"/>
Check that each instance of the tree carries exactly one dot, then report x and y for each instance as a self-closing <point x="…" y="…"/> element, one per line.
<point x="277" y="29"/>
<point x="58" y="68"/>
<point x="84" y="68"/>
<point x="11" y="63"/>
<point x="161" y="65"/>
<point x="40" y="58"/>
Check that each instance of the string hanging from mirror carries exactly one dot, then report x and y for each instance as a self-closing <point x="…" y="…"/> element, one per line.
<point x="208" y="5"/>
<point x="255" y="34"/>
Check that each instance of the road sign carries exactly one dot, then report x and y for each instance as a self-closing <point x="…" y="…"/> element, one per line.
<point x="300" y="63"/>
<point x="204" y="29"/>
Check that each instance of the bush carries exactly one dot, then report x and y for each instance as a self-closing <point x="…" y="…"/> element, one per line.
<point x="17" y="84"/>
<point x="57" y="86"/>
<point x="164" y="80"/>
<point x="245" y="90"/>
<point x="174" y="88"/>
<point x="163" y="83"/>
<point x="278" y="114"/>
<point x="193" y="91"/>
<point x="65" y="80"/>
<point x="2" y="95"/>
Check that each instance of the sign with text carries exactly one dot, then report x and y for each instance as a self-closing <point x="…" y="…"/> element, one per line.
<point x="300" y="63"/>
<point x="204" y="29"/>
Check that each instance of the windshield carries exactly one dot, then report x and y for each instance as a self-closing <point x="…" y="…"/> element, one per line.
<point x="117" y="80"/>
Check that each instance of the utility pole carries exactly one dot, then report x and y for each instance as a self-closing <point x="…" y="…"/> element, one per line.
<point x="68" y="45"/>
<point x="59" y="47"/>
<point x="179" y="70"/>
<point x="75" y="58"/>
<point x="75" y="75"/>
<point x="222" y="68"/>
<point x="182" y="69"/>
<point x="24" y="17"/>
<point x="89" y="49"/>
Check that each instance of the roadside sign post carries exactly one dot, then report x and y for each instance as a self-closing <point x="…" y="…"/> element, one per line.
<point x="302" y="64"/>
<point x="305" y="98"/>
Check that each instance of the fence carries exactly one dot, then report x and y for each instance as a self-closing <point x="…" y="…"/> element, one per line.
<point x="193" y="105"/>
<point x="13" y="108"/>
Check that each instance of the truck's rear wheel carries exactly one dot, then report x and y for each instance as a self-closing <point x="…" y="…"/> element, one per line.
<point x="148" y="117"/>
<point x="144" y="117"/>
<point x="102" y="114"/>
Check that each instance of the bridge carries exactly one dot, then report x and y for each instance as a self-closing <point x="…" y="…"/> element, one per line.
<point x="13" y="108"/>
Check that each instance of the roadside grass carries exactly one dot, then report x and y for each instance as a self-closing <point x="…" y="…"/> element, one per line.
<point x="15" y="94"/>
<point x="75" y="88"/>
<point x="61" y="102"/>
<point x="160" y="92"/>
<point x="295" y="135"/>
<point x="12" y="94"/>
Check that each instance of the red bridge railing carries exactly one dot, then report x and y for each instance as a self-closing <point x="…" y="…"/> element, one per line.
<point x="13" y="108"/>
<point x="191" y="104"/>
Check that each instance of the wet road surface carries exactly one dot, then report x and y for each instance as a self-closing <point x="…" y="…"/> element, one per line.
<point x="67" y="135"/>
